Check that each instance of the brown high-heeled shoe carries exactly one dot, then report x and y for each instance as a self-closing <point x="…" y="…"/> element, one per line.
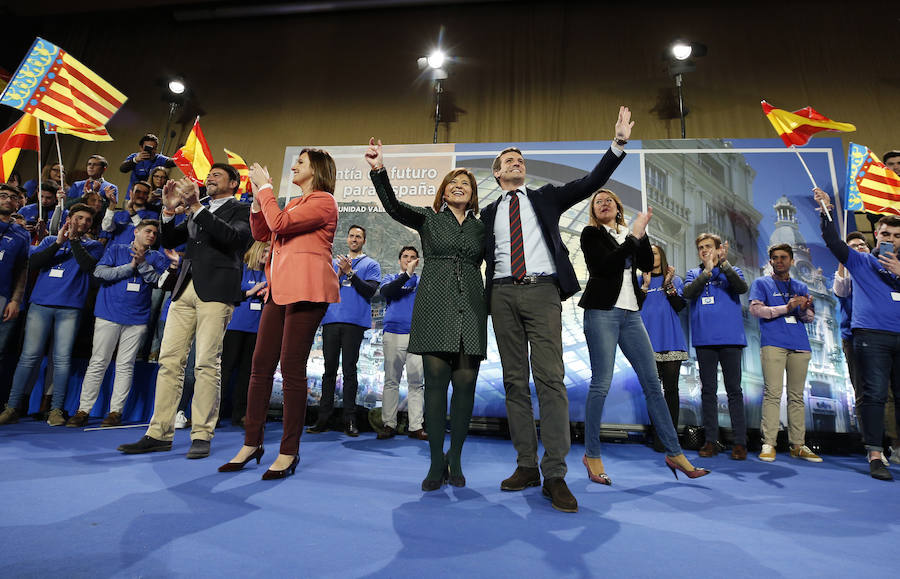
<point x="236" y="466"/>
<point x="695" y="473"/>
<point x="277" y="474"/>
<point x="601" y="478"/>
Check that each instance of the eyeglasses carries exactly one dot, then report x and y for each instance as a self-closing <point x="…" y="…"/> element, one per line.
<point x="7" y="196"/>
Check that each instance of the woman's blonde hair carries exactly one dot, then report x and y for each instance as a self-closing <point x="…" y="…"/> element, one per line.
<point x="251" y="257"/>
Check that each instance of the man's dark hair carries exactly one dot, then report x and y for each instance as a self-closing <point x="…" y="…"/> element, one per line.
<point x="856" y="235"/>
<point x="233" y="174"/>
<point x="147" y="223"/>
<point x="889" y="220"/>
<point x="143" y="183"/>
<point x="890" y="155"/>
<point x="50" y="185"/>
<point x="407" y="248"/>
<point x="10" y="188"/>
<point x="495" y="166"/>
<point x="148" y="137"/>
<point x="81" y="207"/>
<point x="360" y="227"/>
<point x="786" y="247"/>
<point x="100" y="158"/>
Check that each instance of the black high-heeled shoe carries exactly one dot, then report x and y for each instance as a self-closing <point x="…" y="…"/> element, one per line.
<point x="236" y="466"/>
<point x="430" y="484"/>
<point x="457" y="481"/>
<point x="277" y="474"/>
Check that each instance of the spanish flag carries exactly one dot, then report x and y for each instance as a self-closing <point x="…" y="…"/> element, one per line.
<point x="194" y="158"/>
<point x="798" y="127"/>
<point x="55" y="87"/>
<point x="22" y="135"/>
<point x="238" y="163"/>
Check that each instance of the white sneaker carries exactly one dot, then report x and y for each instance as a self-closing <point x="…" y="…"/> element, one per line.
<point x="895" y="455"/>
<point x="181" y="420"/>
<point x="768" y="453"/>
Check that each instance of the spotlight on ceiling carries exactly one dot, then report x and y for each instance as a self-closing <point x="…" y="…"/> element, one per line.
<point x="681" y="50"/>
<point x="176" y="86"/>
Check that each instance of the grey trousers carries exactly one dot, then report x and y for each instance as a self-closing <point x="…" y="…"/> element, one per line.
<point x="531" y="316"/>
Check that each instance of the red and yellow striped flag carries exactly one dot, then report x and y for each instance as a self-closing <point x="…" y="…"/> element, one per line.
<point x="194" y="158"/>
<point x="238" y="163"/>
<point x="798" y="127"/>
<point x="879" y="187"/>
<point x="22" y="135"/>
<point x="55" y="87"/>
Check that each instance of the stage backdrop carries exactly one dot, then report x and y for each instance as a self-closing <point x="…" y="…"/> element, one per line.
<point x="753" y="193"/>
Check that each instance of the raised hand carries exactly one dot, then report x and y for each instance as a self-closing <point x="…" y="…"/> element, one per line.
<point x="639" y="225"/>
<point x="138" y="255"/>
<point x="645" y="285"/>
<point x="170" y="197"/>
<point x="889" y="261"/>
<point x="411" y="266"/>
<point x="259" y="176"/>
<point x="822" y="198"/>
<point x="63" y="234"/>
<point x="110" y="195"/>
<point x="190" y="193"/>
<point x="670" y="273"/>
<point x="722" y="252"/>
<point x="174" y="257"/>
<point x="374" y="157"/>
<point x="61" y="197"/>
<point x="624" y="124"/>
<point x="345" y="264"/>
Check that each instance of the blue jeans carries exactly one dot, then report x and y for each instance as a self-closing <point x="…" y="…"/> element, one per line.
<point x="38" y="325"/>
<point x="604" y="330"/>
<point x="876" y="353"/>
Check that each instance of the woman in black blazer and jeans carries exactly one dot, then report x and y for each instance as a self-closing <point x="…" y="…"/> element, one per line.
<point x="612" y="302"/>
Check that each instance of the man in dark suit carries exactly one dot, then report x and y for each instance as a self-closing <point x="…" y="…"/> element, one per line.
<point x="528" y="275"/>
<point x="203" y="297"/>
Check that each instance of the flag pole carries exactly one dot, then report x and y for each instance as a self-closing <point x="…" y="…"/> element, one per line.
<point x="812" y="180"/>
<point x="37" y="179"/>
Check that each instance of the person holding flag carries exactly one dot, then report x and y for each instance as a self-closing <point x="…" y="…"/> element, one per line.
<point x="875" y="323"/>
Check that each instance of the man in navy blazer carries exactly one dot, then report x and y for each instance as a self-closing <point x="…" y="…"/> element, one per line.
<point x="528" y="275"/>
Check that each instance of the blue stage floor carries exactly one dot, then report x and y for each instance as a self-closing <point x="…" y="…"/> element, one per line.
<point x="74" y="507"/>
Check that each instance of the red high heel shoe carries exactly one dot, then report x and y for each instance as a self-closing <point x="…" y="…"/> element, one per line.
<point x="601" y="478"/>
<point x="277" y="474"/>
<point x="236" y="466"/>
<point x="674" y="467"/>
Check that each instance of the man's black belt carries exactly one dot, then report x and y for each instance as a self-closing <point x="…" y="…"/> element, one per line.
<point x="527" y="280"/>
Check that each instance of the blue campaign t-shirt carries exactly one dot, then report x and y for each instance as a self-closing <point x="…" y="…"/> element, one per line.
<point x="398" y="312"/>
<point x="115" y="302"/>
<point x="778" y="331"/>
<point x="716" y="318"/>
<point x="353" y="308"/>
<point x="124" y="226"/>
<point x="660" y="319"/>
<point x="876" y="294"/>
<point x="14" y="243"/>
<point x="63" y="283"/>
<point x="30" y="213"/>
<point x="247" y="314"/>
<point x="142" y="169"/>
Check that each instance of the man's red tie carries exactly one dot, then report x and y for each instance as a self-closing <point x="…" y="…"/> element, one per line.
<point x="516" y="246"/>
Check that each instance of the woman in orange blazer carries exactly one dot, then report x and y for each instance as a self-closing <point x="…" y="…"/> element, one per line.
<point x="302" y="283"/>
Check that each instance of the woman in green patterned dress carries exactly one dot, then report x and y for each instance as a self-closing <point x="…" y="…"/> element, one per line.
<point x="449" y="321"/>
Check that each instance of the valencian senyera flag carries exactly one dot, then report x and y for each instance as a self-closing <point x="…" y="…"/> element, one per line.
<point x="238" y="163"/>
<point x="194" y="158"/>
<point x="797" y="128"/>
<point x="22" y="135"/>
<point x="871" y="186"/>
<point x="55" y="87"/>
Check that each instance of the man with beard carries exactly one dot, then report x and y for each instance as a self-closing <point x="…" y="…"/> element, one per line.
<point x="120" y="225"/>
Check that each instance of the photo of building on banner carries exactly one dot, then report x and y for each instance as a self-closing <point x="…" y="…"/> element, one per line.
<point x="750" y="192"/>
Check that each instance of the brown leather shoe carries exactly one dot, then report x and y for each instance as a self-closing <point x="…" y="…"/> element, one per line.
<point x="707" y="450"/>
<point x="523" y="478"/>
<point x="112" y="419"/>
<point x="78" y="420"/>
<point x="739" y="452"/>
<point x="559" y="494"/>
<point x="418" y="434"/>
<point x="388" y="432"/>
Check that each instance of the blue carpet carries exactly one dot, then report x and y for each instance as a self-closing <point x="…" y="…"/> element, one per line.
<point x="75" y="507"/>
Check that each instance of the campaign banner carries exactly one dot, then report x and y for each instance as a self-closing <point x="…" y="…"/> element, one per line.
<point x="752" y="192"/>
